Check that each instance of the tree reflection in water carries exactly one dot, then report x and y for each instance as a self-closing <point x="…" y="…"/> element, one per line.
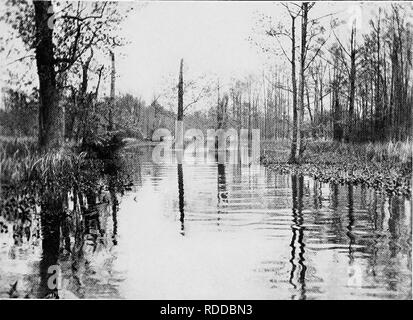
<point x="297" y="186"/>
<point x="181" y="198"/>
<point x="70" y="227"/>
<point x="50" y="253"/>
<point x="222" y="193"/>
<point x="351" y="221"/>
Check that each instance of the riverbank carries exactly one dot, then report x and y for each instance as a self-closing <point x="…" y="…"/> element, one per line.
<point x="382" y="166"/>
<point x="75" y="169"/>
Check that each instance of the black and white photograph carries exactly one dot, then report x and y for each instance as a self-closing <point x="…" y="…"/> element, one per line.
<point x="206" y="150"/>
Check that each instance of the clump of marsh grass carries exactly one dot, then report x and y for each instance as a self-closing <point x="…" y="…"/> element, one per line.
<point x="76" y="171"/>
<point x="17" y="147"/>
<point x="54" y="171"/>
<point x="48" y="181"/>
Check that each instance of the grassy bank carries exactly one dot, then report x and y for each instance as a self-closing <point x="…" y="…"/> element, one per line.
<point x="79" y="170"/>
<point x="26" y="172"/>
<point x="383" y="166"/>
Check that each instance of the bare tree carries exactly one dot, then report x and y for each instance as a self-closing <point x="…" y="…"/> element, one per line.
<point x="291" y="35"/>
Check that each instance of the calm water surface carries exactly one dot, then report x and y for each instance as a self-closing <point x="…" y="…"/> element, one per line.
<point x="209" y="231"/>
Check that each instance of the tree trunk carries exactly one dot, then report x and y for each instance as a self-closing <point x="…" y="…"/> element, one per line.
<point x="50" y="114"/>
<point x="179" y="127"/>
<point x="295" y="137"/>
<point x="112" y="91"/>
<point x="352" y="82"/>
<point x="181" y="93"/>
<point x="302" y="77"/>
<point x="337" y="114"/>
<point x="84" y="103"/>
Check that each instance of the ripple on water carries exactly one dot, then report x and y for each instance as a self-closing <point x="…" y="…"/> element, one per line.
<point x="211" y="231"/>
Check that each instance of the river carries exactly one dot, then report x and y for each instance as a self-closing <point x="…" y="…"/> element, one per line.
<point x="214" y="231"/>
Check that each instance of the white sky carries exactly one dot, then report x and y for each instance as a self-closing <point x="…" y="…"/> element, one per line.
<point x="212" y="37"/>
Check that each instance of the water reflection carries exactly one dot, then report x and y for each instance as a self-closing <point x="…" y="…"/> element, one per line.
<point x="242" y="232"/>
<point x="181" y="197"/>
<point x="222" y="193"/>
<point x="297" y="236"/>
<point x="115" y="207"/>
<point x="350" y="225"/>
<point x="50" y="254"/>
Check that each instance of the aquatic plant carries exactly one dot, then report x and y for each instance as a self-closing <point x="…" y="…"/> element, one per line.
<point x="383" y="166"/>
